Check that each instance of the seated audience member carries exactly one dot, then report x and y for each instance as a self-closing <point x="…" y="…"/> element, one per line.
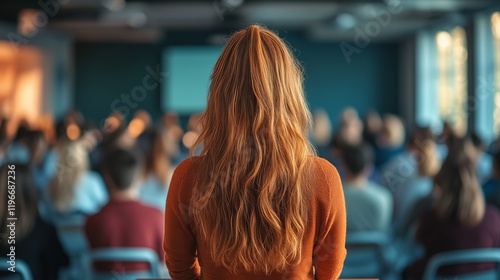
<point x="368" y="205"/>
<point x="36" y="242"/>
<point x="401" y="169"/>
<point x="390" y="141"/>
<point x="158" y="168"/>
<point x="74" y="189"/>
<point x="371" y="128"/>
<point x="124" y="221"/>
<point x="349" y="132"/>
<point x="459" y="219"/>
<point x="493" y="184"/>
<point x="18" y="151"/>
<point x="423" y="204"/>
<point x="413" y="188"/>
<point x="483" y="160"/>
<point x="321" y="133"/>
<point x="42" y="168"/>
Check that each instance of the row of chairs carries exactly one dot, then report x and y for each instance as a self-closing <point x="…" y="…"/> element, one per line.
<point x="363" y="265"/>
<point x="374" y="254"/>
<point x="102" y="255"/>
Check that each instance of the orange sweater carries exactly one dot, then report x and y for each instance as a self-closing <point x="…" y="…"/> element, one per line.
<point x="323" y="251"/>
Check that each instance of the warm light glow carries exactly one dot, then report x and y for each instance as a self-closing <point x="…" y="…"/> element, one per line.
<point x="111" y="124"/>
<point x="28" y="94"/>
<point x="495" y="30"/>
<point x="73" y="132"/>
<point x="443" y="39"/>
<point x="452" y="78"/>
<point x="7" y="69"/>
<point x="136" y="127"/>
<point x="495" y="24"/>
<point x="21" y="85"/>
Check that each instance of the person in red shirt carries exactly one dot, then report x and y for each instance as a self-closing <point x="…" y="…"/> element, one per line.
<point x="124" y="221"/>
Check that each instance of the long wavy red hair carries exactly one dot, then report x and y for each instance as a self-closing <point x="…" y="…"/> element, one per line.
<point x="251" y="197"/>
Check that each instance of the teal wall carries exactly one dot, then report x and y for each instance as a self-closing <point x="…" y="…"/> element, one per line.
<point x="106" y="71"/>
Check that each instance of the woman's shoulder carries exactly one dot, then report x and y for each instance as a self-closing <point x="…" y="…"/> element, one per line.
<point x="325" y="179"/>
<point x="324" y="170"/>
<point x="187" y="165"/>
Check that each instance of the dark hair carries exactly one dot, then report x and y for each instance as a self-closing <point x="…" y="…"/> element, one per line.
<point x="24" y="195"/>
<point x="156" y="162"/>
<point x="357" y="157"/>
<point x="476" y="140"/>
<point x="496" y="159"/>
<point x="420" y="135"/>
<point x="61" y="130"/>
<point x="121" y="166"/>
<point x="461" y="198"/>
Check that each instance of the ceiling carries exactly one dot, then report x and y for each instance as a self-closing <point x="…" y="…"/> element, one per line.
<point x="155" y="20"/>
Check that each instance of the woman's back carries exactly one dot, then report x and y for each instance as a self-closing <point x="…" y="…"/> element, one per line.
<point x="323" y="244"/>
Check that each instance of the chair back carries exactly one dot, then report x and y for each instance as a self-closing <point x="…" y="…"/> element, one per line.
<point x="462" y="257"/>
<point x="365" y="255"/>
<point x="22" y="269"/>
<point x="72" y="236"/>
<point x="125" y="255"/>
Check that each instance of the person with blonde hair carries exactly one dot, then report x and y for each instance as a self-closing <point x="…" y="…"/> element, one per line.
<point x="459" y="219"/>
<point x="416" y="183"/>
<point x="75" y="189"/>
<point x="257" y="203"/>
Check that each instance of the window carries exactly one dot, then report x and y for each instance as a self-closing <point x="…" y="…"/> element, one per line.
<point x="441" y="82"/>
<point x="495" y="29"/>
<point x="452" y="78"/>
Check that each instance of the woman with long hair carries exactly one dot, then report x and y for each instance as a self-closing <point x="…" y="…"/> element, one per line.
<point x="74" y="189"/>
<point x="36" y="242"/>
<point x="161" y="149"/>
<point x="257" y="203"/>
<point x="459" y="219"/>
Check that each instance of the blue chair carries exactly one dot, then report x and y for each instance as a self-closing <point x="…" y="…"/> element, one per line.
<point x="125" y="255"/>
<point x="462" y="257"/>
<point x="22" y="270"/>
<point x="74" y="242"/>
<point x="367" y="255"/>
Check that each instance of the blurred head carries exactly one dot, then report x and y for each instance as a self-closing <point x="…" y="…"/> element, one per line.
<point x="393" y="132"/>
<point x="256" y="150"/>
<point x="119" y="138"/>
<point x="350" y="130"/>
<point x="120" y="169"/>
<point x="357" y="159"/>
<point x="322" y="129"/>
<point x="459" y="147"/>
<point x="423" y="147"/>
<point x="373" y="122"/>
<point x="71" y="165"/>
<point x="37" y="146"/>
<point x="158" y="155"/>
<point x="460" y="199"/>
<point x="26" y="201"/>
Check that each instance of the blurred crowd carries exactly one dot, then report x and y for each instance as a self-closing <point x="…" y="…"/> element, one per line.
<point x="435" y="190"/>
<point x="429" y="192"/>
